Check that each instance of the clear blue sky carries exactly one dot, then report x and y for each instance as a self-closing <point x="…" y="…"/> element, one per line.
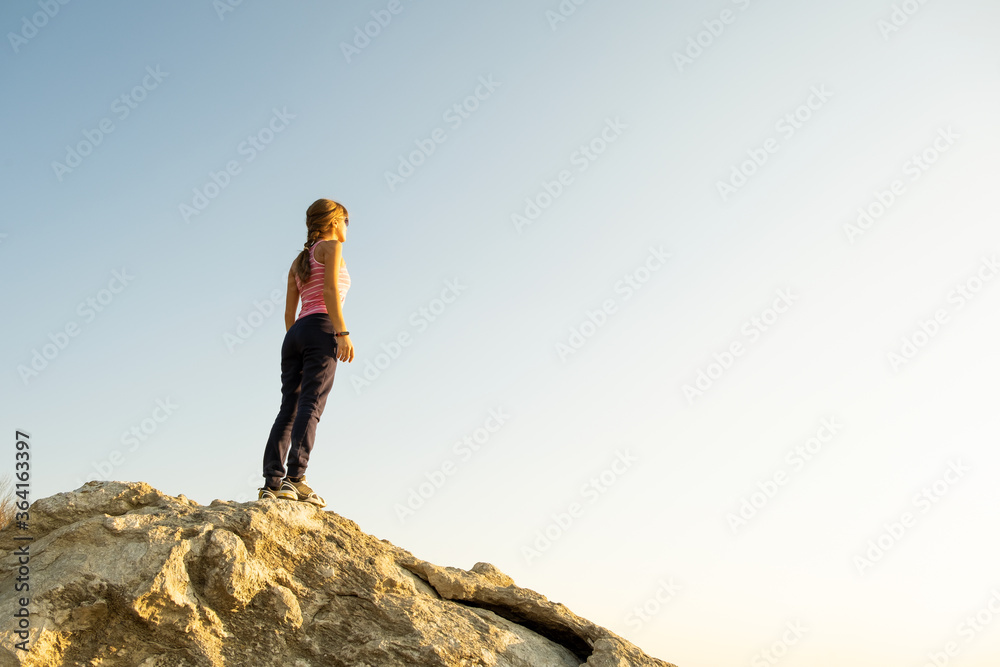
<point x="623" y="251"/>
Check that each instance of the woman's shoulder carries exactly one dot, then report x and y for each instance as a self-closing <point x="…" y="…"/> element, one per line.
<point x="324" y="251"/>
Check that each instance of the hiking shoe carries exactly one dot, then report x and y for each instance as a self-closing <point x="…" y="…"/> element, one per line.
<point x="302" y="491"/>
<point x="273" y="494"/>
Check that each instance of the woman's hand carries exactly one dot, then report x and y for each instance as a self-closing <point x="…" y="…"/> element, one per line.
<point x="345" y="349"/>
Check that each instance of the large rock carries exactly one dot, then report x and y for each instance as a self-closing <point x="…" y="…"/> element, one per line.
<point x="122" y="574"/>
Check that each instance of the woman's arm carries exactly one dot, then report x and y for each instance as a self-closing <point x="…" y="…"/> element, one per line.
<point x="331" y="297"/>
<point x="331" y="285"/>
<point x="291" y="299"/>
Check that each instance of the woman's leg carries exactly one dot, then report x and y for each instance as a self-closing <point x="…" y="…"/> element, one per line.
<point x="291" y="376"/>
<point x="319" y="365"/>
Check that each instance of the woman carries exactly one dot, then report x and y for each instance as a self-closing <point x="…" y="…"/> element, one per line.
<point x="313" y="343"/>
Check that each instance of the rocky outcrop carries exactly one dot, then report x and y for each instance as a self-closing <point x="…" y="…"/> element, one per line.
<point x="122" y="574"/>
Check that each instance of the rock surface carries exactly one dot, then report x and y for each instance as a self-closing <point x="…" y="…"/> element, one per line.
<point x="122" y="574"/>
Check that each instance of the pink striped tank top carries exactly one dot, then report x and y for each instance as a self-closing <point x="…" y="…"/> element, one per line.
<point x="311" y="292"/>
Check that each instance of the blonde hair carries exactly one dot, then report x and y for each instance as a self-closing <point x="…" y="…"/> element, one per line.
<point x="320" y="217"/>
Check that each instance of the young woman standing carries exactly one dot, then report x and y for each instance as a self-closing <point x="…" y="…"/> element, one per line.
<point x="313" y="343"/>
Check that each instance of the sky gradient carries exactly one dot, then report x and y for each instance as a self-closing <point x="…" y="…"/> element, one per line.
<point x="681" y="314"/>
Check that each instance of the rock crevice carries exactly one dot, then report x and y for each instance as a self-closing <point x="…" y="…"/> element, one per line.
<point x="486" y="587"/>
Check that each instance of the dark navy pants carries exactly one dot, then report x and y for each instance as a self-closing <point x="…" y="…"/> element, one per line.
<point x="308" y="364"/>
